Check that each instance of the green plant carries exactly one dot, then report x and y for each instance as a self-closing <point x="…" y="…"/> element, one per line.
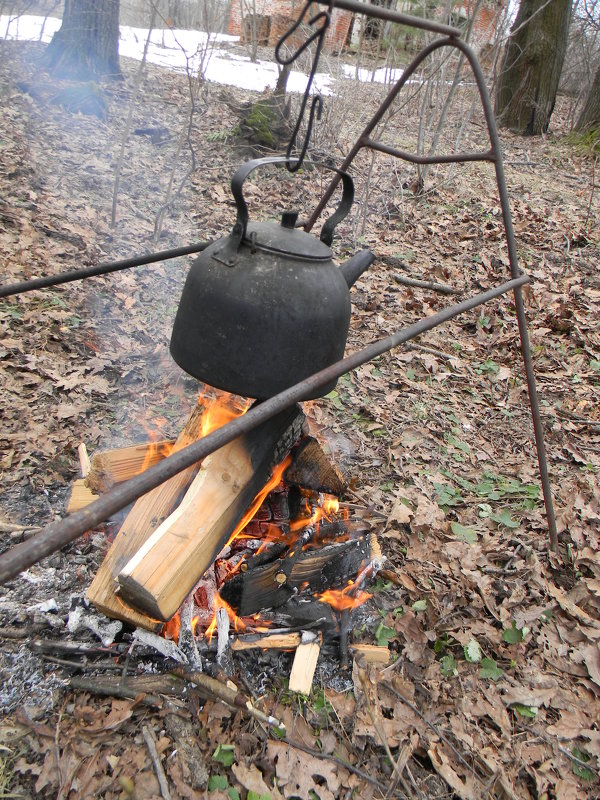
<point x="525" y="711"/>
<point x="384" y="634"/>
<point x="381" y="585"/>
<point x="488" y="668"/>
<point x="463" y="533"/>
<point x="488" y="367"/>
<point x="7" y="759"/>
<point x="259" y="121"/>
<point x="224" y="135"/>
<point x="448" y="495"/>
<point x="514" y="635"/>
<point x="448" y="666"/>
<point x="578" y="769"/>
<point x="442" y="642"/>
<point x="224" y="755"/>
<point x="473" y="652"/>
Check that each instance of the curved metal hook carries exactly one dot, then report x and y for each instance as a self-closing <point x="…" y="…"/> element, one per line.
<point x="324" y="15"/>
<point x="316" y="108"/>
<point x="293" y="165"/>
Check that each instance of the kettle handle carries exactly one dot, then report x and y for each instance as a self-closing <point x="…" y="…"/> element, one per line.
<point x="228" y="252"/>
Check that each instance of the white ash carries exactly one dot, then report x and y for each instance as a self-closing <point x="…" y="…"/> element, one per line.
<point x="165" y="647"/>
<point x="82" y="616"/>
<point x="24" y="682"/>
<point x="187" y="640"/>
<point x="44" y="606"/>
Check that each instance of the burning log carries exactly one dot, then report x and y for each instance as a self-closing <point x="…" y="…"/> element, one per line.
<point x="108" y="468"/>
<point x="115" y="466"/>
<point x="148" y="512"/>
<point x="312" y="469"/>
<point x="167" y="566"/>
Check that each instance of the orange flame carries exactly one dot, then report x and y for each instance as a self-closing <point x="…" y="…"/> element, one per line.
<point x="170" y="630"/>
<point x="271" y="484"/>
<point x="238" y="623"/>
<point x="344" y="599"/>
<point x="155" y="452"/>
<point x="327" y="509"/>
<point x="220" y="411"/>
<point x="273" y="534"/>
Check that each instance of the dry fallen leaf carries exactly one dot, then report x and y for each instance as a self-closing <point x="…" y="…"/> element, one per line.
<point x="251" y="779"/>
<point x="302" y="775"/>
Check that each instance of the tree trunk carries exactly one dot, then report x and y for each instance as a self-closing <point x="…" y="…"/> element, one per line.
<point x="589" y="119"/>
<point x="530" y="73"/>
<point x="87" y="45"/>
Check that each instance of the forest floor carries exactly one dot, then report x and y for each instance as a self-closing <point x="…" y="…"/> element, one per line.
<point x="494" y="690"/>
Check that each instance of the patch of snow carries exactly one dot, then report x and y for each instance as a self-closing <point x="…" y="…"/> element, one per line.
<point x="179" y="49"/>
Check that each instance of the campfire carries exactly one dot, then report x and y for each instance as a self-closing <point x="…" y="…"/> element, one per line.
<point x="252" y="548"/>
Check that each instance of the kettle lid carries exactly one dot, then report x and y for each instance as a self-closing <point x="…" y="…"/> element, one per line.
<point x="286" y="240"/>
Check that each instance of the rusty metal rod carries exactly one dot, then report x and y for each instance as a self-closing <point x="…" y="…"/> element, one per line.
<point x="494" y="155"/>
<point x="389" y="15"/>
<point x="453" y="158"/>
<point x="364" y="139"/>
<point x="538" y="427"/>
<point x="99" y="269"/>
<point x="59" y="533"/>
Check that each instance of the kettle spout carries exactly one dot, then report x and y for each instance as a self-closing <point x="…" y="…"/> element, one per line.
<point x="355" y="266"/>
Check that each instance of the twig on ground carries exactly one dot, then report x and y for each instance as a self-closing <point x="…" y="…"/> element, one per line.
<point x="430" y="350"/>
<point x="592" y="424"/>
<point x="12" y="632"/>
<point x="589" y="208"/>
<point x="443" y="288"/>
<point x="214" y="688"/>
<point x="158" y="768"/>
<point x="124" y="692"/>
<point x="325" y="757"/>
<point x="8" y="527"/>
<point x="578" y="761"/>
<point x="434" y="728"/>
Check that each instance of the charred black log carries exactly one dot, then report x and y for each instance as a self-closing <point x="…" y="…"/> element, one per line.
<point x="272" y="585"/>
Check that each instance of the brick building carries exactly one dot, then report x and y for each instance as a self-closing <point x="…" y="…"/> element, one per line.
<point x="272" y="18"/>
<point x="488" y="17"/>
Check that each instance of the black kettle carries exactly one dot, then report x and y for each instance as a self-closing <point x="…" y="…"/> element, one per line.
<point x="266" y="307"/>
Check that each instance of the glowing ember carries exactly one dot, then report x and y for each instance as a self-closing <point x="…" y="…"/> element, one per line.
<point x="271" y="484"/>
<point x="170" y="630"/>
